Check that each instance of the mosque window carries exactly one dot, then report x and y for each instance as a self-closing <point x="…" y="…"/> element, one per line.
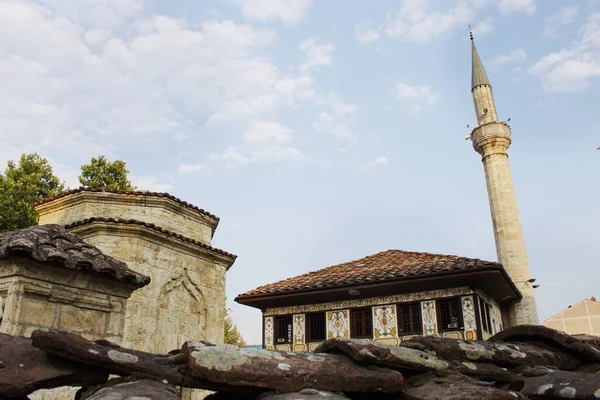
<point x="409" y="319"/>
<point x="315" y="327"/>
<point x="449" y="314"/>
<point x="283" y="329"/>
<point x="361" y="322"/>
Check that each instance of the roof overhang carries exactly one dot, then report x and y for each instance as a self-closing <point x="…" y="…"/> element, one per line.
<point x="492" y="280"/>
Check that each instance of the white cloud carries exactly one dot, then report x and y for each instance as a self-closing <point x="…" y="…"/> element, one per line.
<point x="510" y="57"/>
<point x="190" y="168"/>
<point x="267" y="132"/>
<point x="418" y="21"/>
<point x="416" y="96"/>
<point x="317" y="55"/>
<point x="526" y="6"/>
<point x="336" y="119"/>
<point x="484" y="27"/>
<point x="570" y="69"/>
<point x="89" y="73"/>
<point x="287" y="11"/>
<point x="557" y="21"/>
<point x="278" y="154"/>
<point x="367" y="36"/>
<point x="381" y="160"/>
<point x="150" y="183"/>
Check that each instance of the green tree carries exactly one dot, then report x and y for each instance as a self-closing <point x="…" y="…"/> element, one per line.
<point x="21" y="185"/>
<point x="232" y="335"/>
<point x="103" y="174"/>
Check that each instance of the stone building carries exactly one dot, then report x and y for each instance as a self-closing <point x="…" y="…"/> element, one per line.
<point x="582" y="318"/>
<point x="387" y="297"/>
<point x="51" y="278"/>
<point x="164" y="238"/>
<point x="396" y="294"/>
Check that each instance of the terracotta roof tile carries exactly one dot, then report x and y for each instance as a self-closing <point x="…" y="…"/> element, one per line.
<point x="385" y="266"/>
<point x="53" y="244"/>
<point x="131" y="193"/>
<point x="153" y="227"/>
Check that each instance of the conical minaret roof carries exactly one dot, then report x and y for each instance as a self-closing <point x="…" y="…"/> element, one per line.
<point x="478" y="75"/>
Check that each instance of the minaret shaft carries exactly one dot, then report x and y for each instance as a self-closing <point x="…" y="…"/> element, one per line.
<point x="491" y="138"/>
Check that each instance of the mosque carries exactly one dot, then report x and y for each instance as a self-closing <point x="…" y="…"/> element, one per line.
<point x="394" y="295"/>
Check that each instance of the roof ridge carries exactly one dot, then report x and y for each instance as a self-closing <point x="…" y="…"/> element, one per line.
<point x="128" y="192"/>
<point x="385" y="265"/>
<point x="151" y="226"/>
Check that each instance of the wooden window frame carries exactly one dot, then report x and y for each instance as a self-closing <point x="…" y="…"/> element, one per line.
<point x="289" y="333"/>
<point x="309" y="327"/>
<point x="413" y="323"/>
<point x="368" y="311"/>
<point x="484" y="312"/>
<point x="460" y="323"/>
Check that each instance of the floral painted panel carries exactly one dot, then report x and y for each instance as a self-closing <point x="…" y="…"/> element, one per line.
<point x="429" y="317"/>
<point x="269" y="333"/>
<point x="385" y="322"/>
<point x="338" y="324"/>
<point x="299" y="329"/>
<point x="496" y="317"/>
<point x="469" y="318"/>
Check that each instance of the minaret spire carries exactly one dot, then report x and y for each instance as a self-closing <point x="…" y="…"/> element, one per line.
<point x="491" y="138"/>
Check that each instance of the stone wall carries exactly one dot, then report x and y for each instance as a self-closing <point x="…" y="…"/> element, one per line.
<point x="185" y="299"/>
<point x="169" y="241"/>
<point x="37" y="295"/>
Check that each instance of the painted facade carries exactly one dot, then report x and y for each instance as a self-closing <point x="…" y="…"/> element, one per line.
<point x="385" y="315"/>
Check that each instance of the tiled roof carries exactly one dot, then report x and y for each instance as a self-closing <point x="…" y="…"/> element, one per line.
<point x="131" y="193"/>
<point x="153" y="227"/>
<point x="52" y="244"/>
<point x="388" y="265"/>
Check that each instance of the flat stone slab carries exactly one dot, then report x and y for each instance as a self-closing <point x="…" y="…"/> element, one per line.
<point x="369" y="352"/>
<point x="501" y="354"/>
<point x="142" y="389"/>
<point x="548" y="383"/>
<point x="455" y="387"/>
<point x="286" y="371"/>
<point x="25" y="369"/>
<point x="587" y="351"/>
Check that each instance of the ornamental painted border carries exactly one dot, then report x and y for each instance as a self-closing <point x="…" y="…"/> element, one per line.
<point x="375" y="301"/>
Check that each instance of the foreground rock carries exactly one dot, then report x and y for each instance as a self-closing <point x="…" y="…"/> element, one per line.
<point x="524" y="363"/>
<point x="24" y="369"/>
<point x="456" y="387"/>
<point x="588" y="351"/>
<point x="226" y="367"/>
<point x="119" y="389"/>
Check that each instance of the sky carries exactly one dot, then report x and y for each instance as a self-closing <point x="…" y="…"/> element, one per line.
<point x="322" y="131"/>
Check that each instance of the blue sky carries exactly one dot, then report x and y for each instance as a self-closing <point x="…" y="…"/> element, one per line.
<point x="322" y="131"/>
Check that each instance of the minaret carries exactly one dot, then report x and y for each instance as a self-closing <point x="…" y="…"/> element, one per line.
<point x="491" y="139"/>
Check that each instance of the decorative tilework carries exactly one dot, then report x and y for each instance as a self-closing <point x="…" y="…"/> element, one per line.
<point x="391" y="341"/>
<point x="284" y="347"/>
<point x="269" y="333"/>
<point x="338" y="324"/>
<point x="299" y="347"/>
<point x="453" y="335"/>
<point x="429" y="317"/>
<point x="299" y="329"/>
<point x="375" y="301"/>
<point x="384" y="322"/>
<point x="469" y="318"/>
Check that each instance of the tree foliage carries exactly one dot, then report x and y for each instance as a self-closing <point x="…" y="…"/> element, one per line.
<point x="232" y="335"/>
<point x="22" y="185"/>
<point x="103" y="174"/>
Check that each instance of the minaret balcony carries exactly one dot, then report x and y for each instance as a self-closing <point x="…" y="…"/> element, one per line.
<point x="493" y="134"/>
